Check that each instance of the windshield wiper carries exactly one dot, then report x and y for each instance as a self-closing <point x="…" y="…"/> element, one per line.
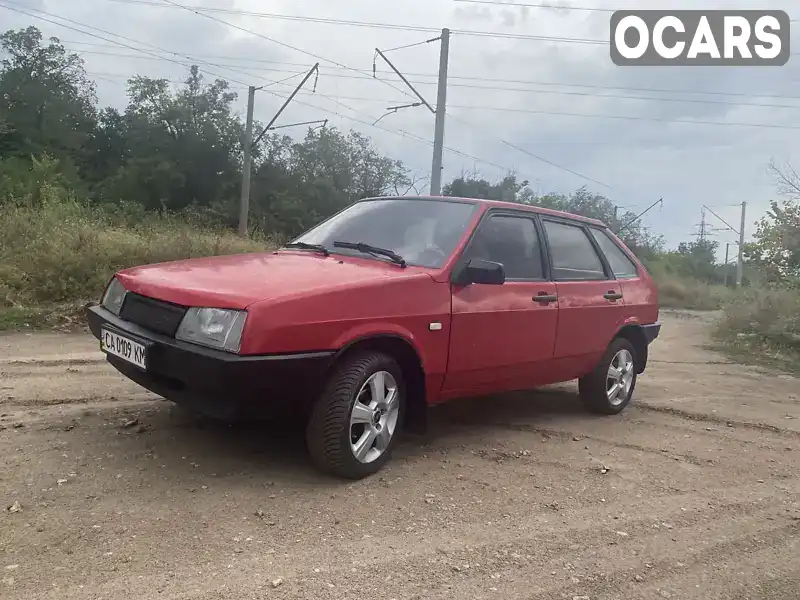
<point x="370" y="249"/>
<point x="304" y="246"/>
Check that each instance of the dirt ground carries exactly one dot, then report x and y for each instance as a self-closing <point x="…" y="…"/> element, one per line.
<point x="691" y="493"/>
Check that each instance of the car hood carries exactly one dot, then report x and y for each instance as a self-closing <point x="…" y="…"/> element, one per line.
<point x="237" y="281"/>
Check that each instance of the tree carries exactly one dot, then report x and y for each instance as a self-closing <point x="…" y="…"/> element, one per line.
<point x="776" y="242"/>
<point x="507" y="189"/>
<point x="581" y="202"/>
<point x="299" y="184"/>
<point x="48" y="100"/>
<point x="173" y="149"/>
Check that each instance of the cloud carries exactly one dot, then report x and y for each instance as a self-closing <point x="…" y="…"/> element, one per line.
<point x="562" y="114"/>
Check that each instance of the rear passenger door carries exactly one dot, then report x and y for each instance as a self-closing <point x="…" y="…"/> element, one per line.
<point x="590" y="299"/>
<point x="641" y="301"/>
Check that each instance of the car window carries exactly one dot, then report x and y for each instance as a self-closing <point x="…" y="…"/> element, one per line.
<point x="509" y="240"/>
<point x="621" y="265"/>
<point x="423" y="232"/>
<point x="572" y="252"/>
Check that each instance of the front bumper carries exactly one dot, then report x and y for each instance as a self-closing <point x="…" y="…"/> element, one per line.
<point x="214" y="382"/>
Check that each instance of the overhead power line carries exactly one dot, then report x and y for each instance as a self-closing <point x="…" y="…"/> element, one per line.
<point x="372" y="25"/>
<point x="89" y="33"/>
<point x="202" y="13"/>
<point x="501" y="3"/>
<point x="401" y="133"/>
<point x="306" y="66"/>
<point x="537" y="5"/>
<point x="627" y="117"/>
<point x="489" y="88"/>
<point x="557" y="113"/>
<point x="561" y="167"/>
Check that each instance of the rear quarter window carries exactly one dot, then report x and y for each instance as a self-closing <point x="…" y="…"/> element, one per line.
<point x="621" y="265"/>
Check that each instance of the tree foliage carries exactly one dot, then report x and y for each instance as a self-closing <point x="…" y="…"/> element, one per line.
<point x="48" y="102"/>
<point x="776" y="242"/>
<point x="580" y="202"/>
<point x="171" y="149"/>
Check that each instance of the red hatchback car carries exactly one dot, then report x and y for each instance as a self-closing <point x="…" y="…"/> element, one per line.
<point x="386" y="308"/>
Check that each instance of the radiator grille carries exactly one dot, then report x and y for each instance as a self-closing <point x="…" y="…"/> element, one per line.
<point x="155" y="315"/>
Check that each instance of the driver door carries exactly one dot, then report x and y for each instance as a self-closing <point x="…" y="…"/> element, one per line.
<point x="502" y="337"/>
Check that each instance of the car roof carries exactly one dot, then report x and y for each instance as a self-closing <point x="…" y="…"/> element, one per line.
<point x="499" y="204"/>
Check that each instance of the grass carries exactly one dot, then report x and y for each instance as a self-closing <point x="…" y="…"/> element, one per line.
<point x="763" y="327"/>
<point x="674" y="292"/>
<point x="60" y="255"/>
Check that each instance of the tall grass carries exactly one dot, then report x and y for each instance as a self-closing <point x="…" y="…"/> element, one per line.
<point x="770" y="316"/>
<point x="675" y="292"/>
<point x="65" y="251"/>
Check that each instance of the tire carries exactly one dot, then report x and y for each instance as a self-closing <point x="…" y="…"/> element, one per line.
<point x="596" y="388"/>
<point x="348" y="414"/>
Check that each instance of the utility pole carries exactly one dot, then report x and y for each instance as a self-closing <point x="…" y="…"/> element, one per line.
<point x="727" y="267"/>
<point x="249" y="144"/>
<point x="244" y="200"/>
<point x="441" y="102"/>
<point x="441" y="108"/>
<point x="740" y="262"/>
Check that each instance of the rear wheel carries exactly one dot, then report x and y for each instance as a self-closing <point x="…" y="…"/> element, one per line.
<point x="608" y="389"/>
<point x="355" y="423"/>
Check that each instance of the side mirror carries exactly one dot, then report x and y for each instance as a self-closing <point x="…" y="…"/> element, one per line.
<point x="480" y="271"/>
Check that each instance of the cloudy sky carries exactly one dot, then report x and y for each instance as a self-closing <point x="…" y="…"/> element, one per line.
<point x="621" y="131"/>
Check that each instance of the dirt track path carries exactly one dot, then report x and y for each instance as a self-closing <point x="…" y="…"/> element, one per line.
<point x="692" y="493"/>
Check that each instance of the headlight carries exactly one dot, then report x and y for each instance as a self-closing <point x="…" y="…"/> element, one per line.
<point x="114" y="296"/>
<point x="213" y="327"/>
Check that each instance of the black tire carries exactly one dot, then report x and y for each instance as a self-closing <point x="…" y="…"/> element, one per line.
<point x="328" y="431"/>
<point x="593" y="387"/>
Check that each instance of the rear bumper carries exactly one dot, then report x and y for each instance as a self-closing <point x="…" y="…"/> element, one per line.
<point x="217" y="383"/>
<point x="651" y="331"/>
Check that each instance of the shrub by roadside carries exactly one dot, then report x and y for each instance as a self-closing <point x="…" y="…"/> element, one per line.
<point x="765" y="321"/>
<point x="674" y="292"/>
<point x="61" y="253"/>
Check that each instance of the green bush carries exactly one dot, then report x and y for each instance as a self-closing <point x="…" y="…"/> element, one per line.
<point x="691" y="294"/>
<point x="770" y="317"/>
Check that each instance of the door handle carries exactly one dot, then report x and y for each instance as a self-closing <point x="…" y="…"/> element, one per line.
<point x="544" y="298"/>
<point x="612" y="295"/>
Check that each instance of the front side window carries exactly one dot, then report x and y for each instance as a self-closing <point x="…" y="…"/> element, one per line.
<point x="572" y="253"/>
<point x="511" y="241"/>
<point x="424" y="232"/>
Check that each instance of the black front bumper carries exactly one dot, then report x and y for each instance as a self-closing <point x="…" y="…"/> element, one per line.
<point x="214" y="382"/>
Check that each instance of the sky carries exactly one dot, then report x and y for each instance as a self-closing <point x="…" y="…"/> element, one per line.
<point x="537" y="83"/>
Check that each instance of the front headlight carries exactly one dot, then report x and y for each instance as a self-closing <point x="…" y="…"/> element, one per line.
<point x="114" y="296"/>
<point x="213" y="327"/>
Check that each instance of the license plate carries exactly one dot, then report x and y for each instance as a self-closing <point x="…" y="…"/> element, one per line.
<point x="124" y="348"/>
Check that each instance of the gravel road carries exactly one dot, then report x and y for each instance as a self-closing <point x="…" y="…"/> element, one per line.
<point x="109" y="492"/>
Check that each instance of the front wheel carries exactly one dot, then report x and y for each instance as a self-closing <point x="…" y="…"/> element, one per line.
<point x="355" y="423"/>
<point x="608" y="389"/>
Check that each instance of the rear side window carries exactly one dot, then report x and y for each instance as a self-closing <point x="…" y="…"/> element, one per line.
<point x="621" y="265"/>
<point x="572" y="253"/>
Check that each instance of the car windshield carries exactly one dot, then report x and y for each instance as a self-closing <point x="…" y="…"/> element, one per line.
<point x="423" y="232"/>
